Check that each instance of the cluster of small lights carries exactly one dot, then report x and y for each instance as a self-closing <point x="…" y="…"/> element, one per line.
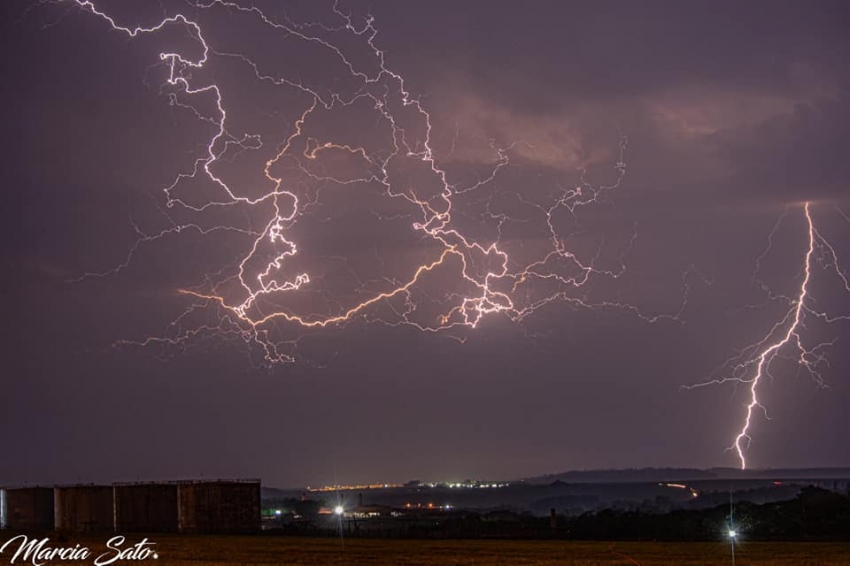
<point x="465" y="485"/>
<point x="694" y="492"/>
<point x="475" y="485"/>
<point x="432" y="506"/>
<point x="354" y="487"/>
<point x="450" y="485"/>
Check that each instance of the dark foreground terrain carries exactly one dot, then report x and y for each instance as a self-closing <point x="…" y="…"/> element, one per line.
<point x="245" y="550"/>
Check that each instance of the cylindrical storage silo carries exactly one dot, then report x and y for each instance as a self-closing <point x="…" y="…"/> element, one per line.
<point x="84" y="508"/>
<point x="27" y="508"/>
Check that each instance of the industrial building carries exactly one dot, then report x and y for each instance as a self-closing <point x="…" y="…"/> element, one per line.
<point x="27" y="508"/>
<point x="84" y="508"/>
<point x="219" y="506"/>
<point x="146" y="507"/>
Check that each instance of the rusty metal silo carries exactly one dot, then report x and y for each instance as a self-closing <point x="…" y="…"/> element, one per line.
<point x="223" y="506"/>
<point x="84" y="508"/>
<point x="145" y="507"/>
<point x="27" y="508"/>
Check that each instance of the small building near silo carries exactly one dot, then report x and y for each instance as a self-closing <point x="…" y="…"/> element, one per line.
<point x="84" y="508"/>
<point x="27" y="508"/>
<point x="222" y="506"/>
<point x="145" y="507"/>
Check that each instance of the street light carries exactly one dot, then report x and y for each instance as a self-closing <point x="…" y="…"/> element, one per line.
<point x="733" y="534"/>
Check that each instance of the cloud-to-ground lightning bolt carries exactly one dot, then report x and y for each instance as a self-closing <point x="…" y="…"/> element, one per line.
<point x="753" y="365"/>
<point x="251" y="298"/>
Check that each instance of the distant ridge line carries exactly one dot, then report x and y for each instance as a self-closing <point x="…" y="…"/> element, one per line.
<point x="680" y="474"/>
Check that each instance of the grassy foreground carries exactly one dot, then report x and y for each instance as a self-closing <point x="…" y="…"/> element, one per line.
<point x="233" y="550"/>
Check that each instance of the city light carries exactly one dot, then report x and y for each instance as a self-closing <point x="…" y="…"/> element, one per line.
<point x="352" y="487"/>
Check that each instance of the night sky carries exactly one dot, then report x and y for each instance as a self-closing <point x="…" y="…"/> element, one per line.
<point x="620" y="169"/>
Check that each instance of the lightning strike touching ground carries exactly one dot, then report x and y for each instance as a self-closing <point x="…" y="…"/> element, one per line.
<point x="754" y="364"/>
<point x="271" y="295"/>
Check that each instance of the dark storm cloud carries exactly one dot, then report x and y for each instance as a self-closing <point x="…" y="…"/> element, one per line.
<point x="797" y="154"/>
<point x="543" y="55"/>
<point x="747" y="98"/>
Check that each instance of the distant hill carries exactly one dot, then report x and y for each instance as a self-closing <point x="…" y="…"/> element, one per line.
<point x="637" y="475"/>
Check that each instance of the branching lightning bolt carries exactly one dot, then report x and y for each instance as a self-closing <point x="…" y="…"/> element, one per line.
<point x="249" y="299"/>
<point x="754" y="363"/>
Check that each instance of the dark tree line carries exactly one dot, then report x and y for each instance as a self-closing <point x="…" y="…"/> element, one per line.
<point x="813" y="515"/>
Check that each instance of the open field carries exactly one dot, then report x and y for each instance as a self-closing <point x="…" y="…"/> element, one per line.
<point x="246" y="550"/>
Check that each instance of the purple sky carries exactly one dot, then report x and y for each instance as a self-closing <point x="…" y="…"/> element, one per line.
<point x="735" y="114"/>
